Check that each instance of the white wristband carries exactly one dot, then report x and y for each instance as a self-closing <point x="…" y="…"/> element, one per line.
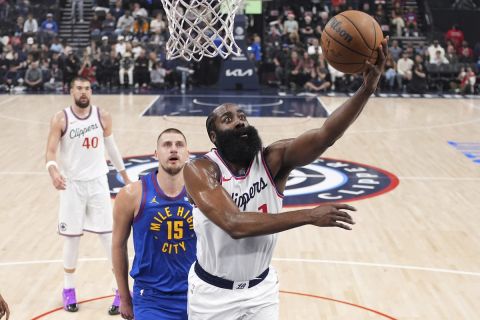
<point x="51" y="163"/>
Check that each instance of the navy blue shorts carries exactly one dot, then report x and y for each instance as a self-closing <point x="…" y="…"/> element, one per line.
<point x="152" y="304"/>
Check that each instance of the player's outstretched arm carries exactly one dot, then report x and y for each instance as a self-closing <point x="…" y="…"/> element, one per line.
<point x="203" y="186"/>
<point x="57" y="125"/>
<point x="126" y="204"/>
<point x="311" y="144"/>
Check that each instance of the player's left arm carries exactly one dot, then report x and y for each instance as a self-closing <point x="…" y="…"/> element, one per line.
<point x="311" y="144"/>
<point x="111" y="146"/>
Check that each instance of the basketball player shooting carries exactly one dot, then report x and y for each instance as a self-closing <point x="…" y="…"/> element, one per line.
<point x="237" y="190"/>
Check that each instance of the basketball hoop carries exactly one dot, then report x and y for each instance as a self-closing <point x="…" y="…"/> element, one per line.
<point x="201" y="28"/>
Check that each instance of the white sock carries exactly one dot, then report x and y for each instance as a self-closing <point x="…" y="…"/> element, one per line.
<point x="106" y="239"/>
<point x="70" y="257"/>
<point x="69" y="280"/>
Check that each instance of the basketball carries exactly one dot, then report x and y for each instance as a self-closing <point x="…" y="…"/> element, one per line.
<point x="350" y="39"/>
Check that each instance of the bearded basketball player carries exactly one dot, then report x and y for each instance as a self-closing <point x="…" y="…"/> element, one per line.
<point x="237" y="189"/>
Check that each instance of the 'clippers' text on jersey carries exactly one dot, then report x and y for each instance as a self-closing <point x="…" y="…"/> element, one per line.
<point x="82" y="148"/>
<point x="239" y="259"/>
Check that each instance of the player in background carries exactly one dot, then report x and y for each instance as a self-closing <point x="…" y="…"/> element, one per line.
<point x="157" y="209"/>
<point x="80" y="134"/>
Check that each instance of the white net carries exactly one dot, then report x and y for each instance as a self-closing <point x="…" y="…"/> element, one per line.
<point x="201" y="28"/>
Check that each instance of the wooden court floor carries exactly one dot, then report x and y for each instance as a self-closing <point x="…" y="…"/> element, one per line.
<point x="413" y="254"/>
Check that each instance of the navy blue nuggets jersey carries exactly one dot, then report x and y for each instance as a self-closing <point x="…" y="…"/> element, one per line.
<point x="163" y="238"/>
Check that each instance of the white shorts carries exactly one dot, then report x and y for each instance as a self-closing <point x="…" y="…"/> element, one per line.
<point x="208" y="302"/>
<point x="85" y="206"/>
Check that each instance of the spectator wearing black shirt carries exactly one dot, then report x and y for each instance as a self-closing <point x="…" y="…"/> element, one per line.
<point x="307" y="28"/>
<point x="465" y="53"/>
<point x="418" y="83"/>
<point x="34" y="77"/>
<point x="108" y="25"/>
<point x="382" y="18"/>
<point x="71" y="67"/>
<point x="15" y="69"/>
<point x="54" y="81"/>
<point x="320" y="80"/>
<point x="56" y="59"/>
<point x="294" y="68"/>
<point x="117" y="11"/>
<point x="105" y="46"/>
<point x="18" y="30"/>
<point x="4" y="8"/>
<point x="322" y="21"/>
<point x="367" y="7"/>
<point x="108" y="69"/>
<point x="141" y="73"/>
<point x="22" y="6"/>
<point x="95" y="27"/>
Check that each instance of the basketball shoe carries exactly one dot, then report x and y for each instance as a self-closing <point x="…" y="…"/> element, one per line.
<point x="115" y="308"/>
<point x="69" y="300"/>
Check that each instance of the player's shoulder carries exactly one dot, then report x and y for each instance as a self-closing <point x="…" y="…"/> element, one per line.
<point x="200" y="165"/>
<point x="104" y="114"/>
<point x="104" y="117"/>
<point x="59" y="115"/>
<point x="131" y="191"/>
<point x="59" y="119"/>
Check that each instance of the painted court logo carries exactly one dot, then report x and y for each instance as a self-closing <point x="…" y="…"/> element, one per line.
<point x="324" y="180"/>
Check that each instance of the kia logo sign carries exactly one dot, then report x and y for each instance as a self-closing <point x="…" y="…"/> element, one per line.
<point x="239" y="73"/>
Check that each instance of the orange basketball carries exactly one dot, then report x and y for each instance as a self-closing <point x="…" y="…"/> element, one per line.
<point x="349" y="39"/>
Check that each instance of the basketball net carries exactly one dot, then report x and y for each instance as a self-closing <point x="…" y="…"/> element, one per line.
<point x="201" y="28"/>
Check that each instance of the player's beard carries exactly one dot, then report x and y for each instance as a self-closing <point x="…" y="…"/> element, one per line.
<point x="172" y="170"/>
<point x="82" y="104"/>
<point x="237" y="149"/>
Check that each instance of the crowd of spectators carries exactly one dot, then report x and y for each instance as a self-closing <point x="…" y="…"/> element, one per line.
<point x="127" y="50"/>
<point x="293" y="55"/>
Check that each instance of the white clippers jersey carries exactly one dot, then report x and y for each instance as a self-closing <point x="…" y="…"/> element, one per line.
<point x="82" y="148"/>
<point x="242" y="259"/>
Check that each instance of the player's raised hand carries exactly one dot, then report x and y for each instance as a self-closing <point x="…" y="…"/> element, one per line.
<point x="374" y="71"/>
<point x="332" y="215"/>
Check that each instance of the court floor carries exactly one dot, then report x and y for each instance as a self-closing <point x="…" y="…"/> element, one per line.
<point x="414" y="252"/>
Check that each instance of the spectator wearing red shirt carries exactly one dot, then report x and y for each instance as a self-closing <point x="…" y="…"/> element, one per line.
<point x="338" y="3"/>
<point x="455" y="35"/>
<point x="87" y="71"/>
